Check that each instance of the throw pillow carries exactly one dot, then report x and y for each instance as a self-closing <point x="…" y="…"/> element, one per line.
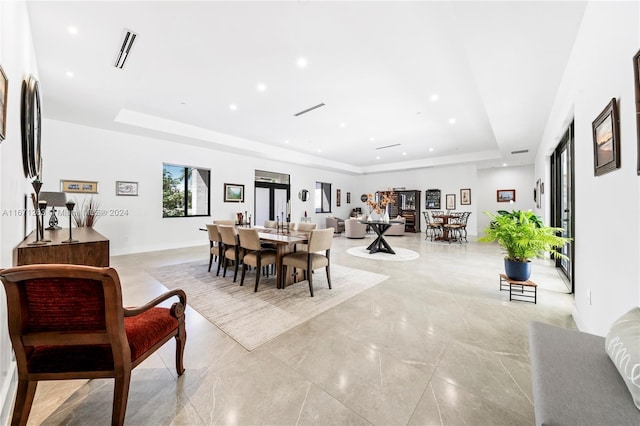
<point x="623" y="346"/>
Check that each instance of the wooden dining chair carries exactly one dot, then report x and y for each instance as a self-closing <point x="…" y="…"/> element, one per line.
<point x="68" y="322"/>
<point x="231" y="249"/>
<point x="320" y="240"/>
<point x="215" y="245"/>
<point x="253" y="254"/>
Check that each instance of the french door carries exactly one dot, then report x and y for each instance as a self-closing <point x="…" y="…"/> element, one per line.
<point x="270" y="201"/>
<point x="562" y="200"/>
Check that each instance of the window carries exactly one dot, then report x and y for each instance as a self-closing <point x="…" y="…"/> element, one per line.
<point x="323" y="197"/>
<point x="185" y="191"/>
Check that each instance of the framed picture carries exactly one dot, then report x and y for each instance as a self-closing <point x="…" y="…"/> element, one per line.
<point x="348" y="198"/>
<point x="537" y="193"/>
<point x="126" y="188"/>
<point x="338" y="192"/>
<point x="233" y="193"/>
<point x="465" y="197"/>
<point x="636" y="83"/>
<point x="505" y="195"/>
<point x="79" y="186"/>
<point x="4" y="87"/>
<point x="606" y="140"/>
<point x="450" y="201"/>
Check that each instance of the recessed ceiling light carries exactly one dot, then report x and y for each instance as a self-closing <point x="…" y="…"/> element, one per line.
<point x="319" y="150"/>
<point x="261" y="87"/>
<point x="233" y="107"/>
<point x="452" y="121"/>
<point x="372" y="139"/>
<point x="404" y="153"/>
<point x="69" y="74"/>
<point x="377" y="157"/>
<point x="302" y="62"/>
<point x="504" y="164"/>
<point x="430" y="149"/>
<point x="183" y="103"/>
<point x="286" y="141"/>
<point x="343" y="125"/>
<point x="419" y="112"/>
<point x="72" y="30"/>
<point x="434" y="97"/>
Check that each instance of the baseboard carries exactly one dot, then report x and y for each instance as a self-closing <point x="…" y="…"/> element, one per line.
<point x="156" y="247"/>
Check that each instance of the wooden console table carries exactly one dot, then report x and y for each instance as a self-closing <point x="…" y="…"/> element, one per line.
<point x="91" y="249"/>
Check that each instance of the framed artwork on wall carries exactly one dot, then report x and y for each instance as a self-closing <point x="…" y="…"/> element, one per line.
<point x="4" y="87"/>
<point x="465" y="197"/>
<point x="348" y="198"/>
<point x="450" y="201"/>
<point x="233" y="193"/>
<point x="505" y="195"/>
<point x="79" y="186"/>
<point x="636" y="83"/>
<point x="606" y="140"/>
<point x="126" y="188"/>
<point x="338" y="193"/>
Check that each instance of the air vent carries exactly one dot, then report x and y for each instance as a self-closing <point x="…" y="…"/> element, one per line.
<point x="388" y="146"/>
<point x="522" y="151"/>
<point x="127" y="43"/>
<point x="308" y="110"/>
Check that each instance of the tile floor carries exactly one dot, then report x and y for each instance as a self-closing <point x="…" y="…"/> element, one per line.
<point x="436" y="343"/>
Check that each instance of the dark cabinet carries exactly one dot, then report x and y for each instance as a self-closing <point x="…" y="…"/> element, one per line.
<point x="407" y="205"/>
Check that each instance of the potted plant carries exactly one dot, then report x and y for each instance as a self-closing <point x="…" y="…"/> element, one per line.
<point x="523" y="236"/>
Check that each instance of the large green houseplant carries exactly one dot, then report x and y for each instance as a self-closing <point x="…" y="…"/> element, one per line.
<point x="523" y="236"/>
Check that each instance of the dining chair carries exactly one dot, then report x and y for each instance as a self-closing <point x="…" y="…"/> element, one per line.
<point x="214" y="246"/>
<point x="454" y="226"/>
<point x="306" y="227"/>
<point x="270" y="224"/>
<point x="320" y="240"/>
<point x="68" y="322"/>
<point x="231" y="249"/>
<point x="224" y="222"/>
<point x="433" y="228"/>
<point x="253" y="254"/>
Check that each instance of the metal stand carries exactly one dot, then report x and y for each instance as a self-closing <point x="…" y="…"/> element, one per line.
<point x="70" y="205"/>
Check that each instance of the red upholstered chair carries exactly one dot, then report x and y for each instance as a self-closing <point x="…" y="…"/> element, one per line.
<point x="68" y="322"/>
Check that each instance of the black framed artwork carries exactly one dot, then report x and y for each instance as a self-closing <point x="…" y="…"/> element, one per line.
<point x="606" y="140"/>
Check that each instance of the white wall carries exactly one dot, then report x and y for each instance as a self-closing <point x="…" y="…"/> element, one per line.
<point x="519" y="178"/>
<point x="607" y="252"/>
<point x="17" y="60"/>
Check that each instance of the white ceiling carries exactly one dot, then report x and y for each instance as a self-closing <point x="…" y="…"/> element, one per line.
<point x="495" y="67"/>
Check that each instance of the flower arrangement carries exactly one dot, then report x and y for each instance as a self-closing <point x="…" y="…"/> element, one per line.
<point x="385" y="199"/>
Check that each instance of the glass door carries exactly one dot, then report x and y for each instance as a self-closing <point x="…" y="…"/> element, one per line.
<point x="562" y="200"/>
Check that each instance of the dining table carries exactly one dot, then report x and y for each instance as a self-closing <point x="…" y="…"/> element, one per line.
<point x="380" y="227"/>
<point x="284" y="242"/>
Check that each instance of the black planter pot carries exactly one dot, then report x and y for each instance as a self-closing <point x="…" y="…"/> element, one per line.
<point x="518" y="271"/>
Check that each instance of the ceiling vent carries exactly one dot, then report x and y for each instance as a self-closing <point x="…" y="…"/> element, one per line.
<point x="127" y="43"/>
<point x="522" y="151"/>
<point x="308" y="110"/>
<point x="388" y="146"/>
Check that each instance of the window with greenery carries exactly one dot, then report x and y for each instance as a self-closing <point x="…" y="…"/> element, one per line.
<point x="185" y="191"/>
<point x="323" y="197"/>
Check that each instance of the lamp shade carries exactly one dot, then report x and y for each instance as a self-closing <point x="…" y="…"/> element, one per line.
<point x="54" y="199"/>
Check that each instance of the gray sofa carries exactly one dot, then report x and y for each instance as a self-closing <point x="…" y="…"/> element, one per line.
<point x="574" y="380"/>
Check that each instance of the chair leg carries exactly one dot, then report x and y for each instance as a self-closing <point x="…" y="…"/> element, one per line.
<point x="120" y="396"/>
<point x="181" y="340"/>
<point x="310" y="278"/>
<point x="244" y="269"/>
<point x="258" y="269"/>
<point x="24" y="399"/>
<point x="328" y="276"/>
<point x="210" y="261"/>
<point x="235" y="271"/>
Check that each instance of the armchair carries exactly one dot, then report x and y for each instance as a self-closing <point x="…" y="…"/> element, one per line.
<point x="354" y="229"/>
<point x="68" y="322"/>
<point x="396" y="228"/>
<point x="336" y="223"/>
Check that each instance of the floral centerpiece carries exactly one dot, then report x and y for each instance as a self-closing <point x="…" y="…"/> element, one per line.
<point x="380" y="201"/>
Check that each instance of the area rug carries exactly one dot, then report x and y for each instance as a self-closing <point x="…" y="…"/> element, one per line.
<point x="251" y="318"/>
<point x="402" y="254"/>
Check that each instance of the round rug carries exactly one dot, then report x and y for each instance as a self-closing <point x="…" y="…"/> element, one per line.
<point x="402" y="254"/>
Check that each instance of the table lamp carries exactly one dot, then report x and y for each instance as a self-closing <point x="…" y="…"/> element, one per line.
<point x="54" y="199"/>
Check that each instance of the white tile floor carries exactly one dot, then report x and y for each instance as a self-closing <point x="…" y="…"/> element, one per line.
<point x="436" y="343"/>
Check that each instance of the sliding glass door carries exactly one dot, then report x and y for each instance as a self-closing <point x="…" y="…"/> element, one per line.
<point x="562" y="200"/>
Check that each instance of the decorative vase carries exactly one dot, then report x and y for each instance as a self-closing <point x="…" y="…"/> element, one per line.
<point x="518" y="271"/>
<point x="385" y="216"/>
